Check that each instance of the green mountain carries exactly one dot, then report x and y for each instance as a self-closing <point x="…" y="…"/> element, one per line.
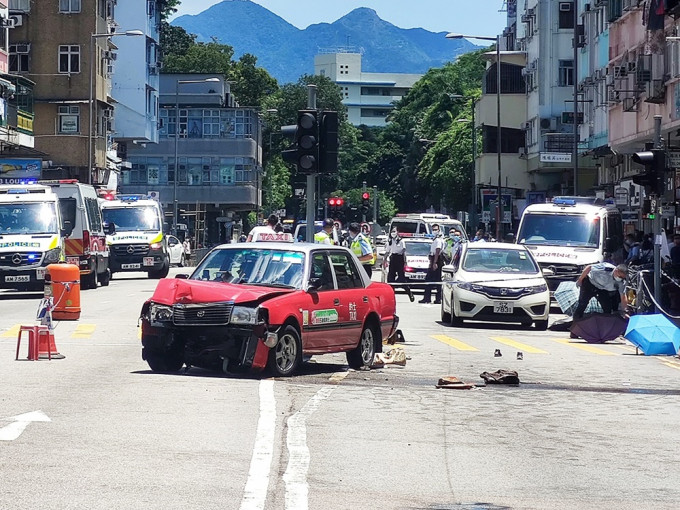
<point x="287" y="52"/>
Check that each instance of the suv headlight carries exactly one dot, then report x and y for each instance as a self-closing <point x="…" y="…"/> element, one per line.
<point x="243" y="315"/>
<point x="52" y="255"/>
<point x="160" y="313"/>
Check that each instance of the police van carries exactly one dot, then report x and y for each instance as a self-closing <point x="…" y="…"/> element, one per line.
<point x="138" y="243"/>
<point x="85" y="243"/>
<point x="569" y="234"/>
<point x="31" y="235"/>
<point x="421" y="223"/>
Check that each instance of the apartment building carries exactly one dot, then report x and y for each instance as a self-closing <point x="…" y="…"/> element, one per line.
<point x="369" y="97"/>
<point x="19" y="161"/>
<point x="216" y="147"/>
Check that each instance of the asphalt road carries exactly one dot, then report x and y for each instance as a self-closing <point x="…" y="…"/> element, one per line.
<point x="589" y="427"/>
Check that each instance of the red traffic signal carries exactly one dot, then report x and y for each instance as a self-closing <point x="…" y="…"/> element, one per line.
<point x="365" y="195"/>
<point x="336" y="202"/>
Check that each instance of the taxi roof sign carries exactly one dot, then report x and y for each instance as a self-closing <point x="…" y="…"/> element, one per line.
<point x="279" y="237"/>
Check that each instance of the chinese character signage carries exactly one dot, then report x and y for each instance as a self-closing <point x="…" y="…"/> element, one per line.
<point x="555" y="157"/>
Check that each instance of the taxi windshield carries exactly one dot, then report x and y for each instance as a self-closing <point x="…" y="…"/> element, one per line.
<point x="253" y="266"/>
<point x="28" y="218"/>
<point x="481" y="260"/>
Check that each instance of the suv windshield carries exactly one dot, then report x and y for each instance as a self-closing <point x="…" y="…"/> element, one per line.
<point x="133" y="218"/>
<point x="560" y="230"/>
<point x="253" y="266"/>
<point x="489" y="260"/>
<point x="28" y="218"/>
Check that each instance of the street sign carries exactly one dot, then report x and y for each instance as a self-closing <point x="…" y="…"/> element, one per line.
<point x="555" y="157"/>
<point x="154" y="195"/>
<point x="673" y="159"/>
<point x="621" y="196"/>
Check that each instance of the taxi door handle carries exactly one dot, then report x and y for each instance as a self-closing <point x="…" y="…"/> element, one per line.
<point x="336" y="302"/>
<point x="365" y="299"/>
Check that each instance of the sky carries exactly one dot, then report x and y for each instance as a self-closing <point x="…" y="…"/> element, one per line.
<point x="433" y="15"/>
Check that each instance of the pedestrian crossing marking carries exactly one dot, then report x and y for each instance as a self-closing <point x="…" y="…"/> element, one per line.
<point x="518" y="345"/>
<point x="457" y="344"/>
<point x="585" y="347"/>
<point x="12" y="332"/>
<point x="84" y="331"/>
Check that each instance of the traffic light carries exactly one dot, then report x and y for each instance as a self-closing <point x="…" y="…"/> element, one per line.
<point x="304" y="152"/>
<point x="652" y="178"/>
<point x="335" y="204"/>
<point x="328" y="142"/>
<point x="365" y="202"/>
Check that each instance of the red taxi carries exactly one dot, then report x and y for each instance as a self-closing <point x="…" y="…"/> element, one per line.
<point x="248" y="306"/>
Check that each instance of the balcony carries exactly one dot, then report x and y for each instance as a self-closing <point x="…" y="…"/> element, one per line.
<point x="558" y="142"/>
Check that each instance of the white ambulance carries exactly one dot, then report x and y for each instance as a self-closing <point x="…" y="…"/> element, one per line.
<point x="138" y="243"/>
<point x="31" y="235"/>
<point x="570" y="233"/>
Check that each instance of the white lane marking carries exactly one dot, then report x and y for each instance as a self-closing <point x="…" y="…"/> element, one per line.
<point x="15" y="429"/>
<point x="295" y="476"/>
<point x="338" y="376"/>
<point x="255" y="492"/>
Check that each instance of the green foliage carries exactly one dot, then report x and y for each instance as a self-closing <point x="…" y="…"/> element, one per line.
<point x="251" y="84"/>
<point x="211" y="57"/>
<point x="168" y="8"/>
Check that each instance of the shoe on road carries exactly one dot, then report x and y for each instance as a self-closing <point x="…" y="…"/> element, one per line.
<point x="497" y="353"/>
<point x="423" y="301"/>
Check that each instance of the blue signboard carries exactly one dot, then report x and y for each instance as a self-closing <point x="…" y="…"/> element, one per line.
<point x="19" y="171"/>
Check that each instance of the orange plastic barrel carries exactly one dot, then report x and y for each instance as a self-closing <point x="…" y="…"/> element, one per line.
<point x="62" y="283"/>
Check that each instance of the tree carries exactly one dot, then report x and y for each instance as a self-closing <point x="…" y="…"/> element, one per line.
<point x="251" y="84"/>
<point x="211" y="57"/>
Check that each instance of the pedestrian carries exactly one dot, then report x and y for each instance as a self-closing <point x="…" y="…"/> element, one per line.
<point x="395" y="260"/>
<point x="272" y="221"/>
<point x="452" y="247"/>
<point x="325" y="235"/>
<point x="479" y="236"/>
<point x="603" y="281"/>
<point x="361" y="247"/>
<point x="632" y="247"/>
<point x="434" y="271"/>
<point x="186" y="246"/>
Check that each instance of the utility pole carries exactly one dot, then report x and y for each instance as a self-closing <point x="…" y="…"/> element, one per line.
<point x="363" y="215"/>
<point x="311" y="178"/>
<point x="656" y="225"/>
<point x="374" y="228"/>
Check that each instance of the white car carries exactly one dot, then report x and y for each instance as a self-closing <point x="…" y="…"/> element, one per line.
<point x="495" y="282"/>
<point x="176" y="251"/>
<point x="416" y="259"/>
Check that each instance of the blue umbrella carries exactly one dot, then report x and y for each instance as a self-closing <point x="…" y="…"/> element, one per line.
<point x="567" y="294"/>
<point x="653" y="334"/>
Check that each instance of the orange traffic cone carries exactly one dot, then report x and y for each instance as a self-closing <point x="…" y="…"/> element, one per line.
<point x="47" y="348"/>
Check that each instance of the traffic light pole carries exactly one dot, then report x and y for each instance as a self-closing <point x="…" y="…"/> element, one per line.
<point x="311" y="178"/>
<point x="656" y="225"/>
<point x="374" y="229"/>
<point x="363" y="215"/>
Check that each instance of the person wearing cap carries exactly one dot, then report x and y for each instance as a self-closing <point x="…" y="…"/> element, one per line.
<point x="361" y="247"/>
<point x="603" y="281"/>
<point x="434" y="271"/>
<point x="272" y="221"/>
<point x="395" y="260"/>
<point x="325" y="235"/>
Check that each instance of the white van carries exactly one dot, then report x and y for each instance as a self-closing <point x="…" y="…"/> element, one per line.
<point x="85" y="243"/>
<point x="421" y="223"/>
<point x="138" y="243"/>
<point x="570" y="233"/>
<point x="31" y="235"/>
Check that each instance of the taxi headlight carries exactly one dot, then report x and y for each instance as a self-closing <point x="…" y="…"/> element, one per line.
<point x="160" y="313"/>
<point x="243" y="315"/>
<point x="537" y="289"/>
<point x="52" y="255"/>
<point x="156" y="246"/>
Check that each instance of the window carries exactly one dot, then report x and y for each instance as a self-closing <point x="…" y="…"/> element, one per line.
<point x="346" y="272"/>
<point x="566" y="73"/>
<point x="566" y="17"/>
<point x="69" y="6"/>
<point x="321" y="272"/>
<point x="18" y="57"/>
<point x="69" y="59"/>
<point x="69" y="119"/>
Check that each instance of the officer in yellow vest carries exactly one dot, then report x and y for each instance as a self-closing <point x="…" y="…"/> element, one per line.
<point x="361" y="247"/>
<point x="325" y="235"/>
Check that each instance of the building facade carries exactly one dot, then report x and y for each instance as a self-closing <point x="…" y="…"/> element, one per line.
<point x="369" y="97"/>
<point x="216" y="147"/>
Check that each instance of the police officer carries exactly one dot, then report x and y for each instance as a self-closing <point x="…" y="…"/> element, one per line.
<point x="361" y="247"/>
<point x="396" y="252"/>
<point x="434" y="271"/>
<point x="325" y="235"/>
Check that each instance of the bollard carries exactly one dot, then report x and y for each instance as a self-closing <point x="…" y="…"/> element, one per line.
<point x="62" y="284"/>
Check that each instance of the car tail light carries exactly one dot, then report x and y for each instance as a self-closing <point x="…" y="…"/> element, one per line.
<point x="408" y="269"/>
<point x="86" y="242"/>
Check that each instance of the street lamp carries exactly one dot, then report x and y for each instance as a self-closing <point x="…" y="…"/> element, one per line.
<point x="176" y="174"/>
<point x="473" y="220"/>
<point x="499" y="208"/>
<point x="129" y="33"/>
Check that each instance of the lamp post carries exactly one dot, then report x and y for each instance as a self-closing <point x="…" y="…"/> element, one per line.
<point x="129" y="33"/>
<point x="499" y="208"/>
<point x="175" y="180"/>
<point x="473" y="220"/>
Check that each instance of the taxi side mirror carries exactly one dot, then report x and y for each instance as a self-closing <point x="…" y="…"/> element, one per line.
<point x="314" y="284"/>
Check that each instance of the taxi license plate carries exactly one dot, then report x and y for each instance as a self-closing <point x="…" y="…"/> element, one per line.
<point x="130" y="266"/>
<point x="18" y="279"/>
<point x="148" y="261"/>
<point x="502" y="307"/>
<point x="416" y="276"/>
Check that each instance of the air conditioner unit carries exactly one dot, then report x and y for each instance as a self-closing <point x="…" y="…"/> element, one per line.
<point x="597" y="74"/>
<point x="565" y="6"/>
<point x="613" y="95"/>
<point x="620" y="71"/>
<point x="7" y="22"/>
<point x="17" y="19"/>
<point x="153" y="69"/>
<point x="549" y="123"/>
<point x="110" y="55"/>
<point x="525" y="125"/>
<point x="632" y="66"/>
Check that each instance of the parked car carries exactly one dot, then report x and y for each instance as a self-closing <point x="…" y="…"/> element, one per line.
<point x="416" y="258"/>
<point x="495" y="282"/>
<point x="251" y="305"/>
<point x="176" y="251"/>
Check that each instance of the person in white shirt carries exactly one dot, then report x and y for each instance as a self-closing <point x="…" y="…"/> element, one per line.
<point x="395" y="257"/>
<point x="272" y="221"/>
<point x="434" y="272"/>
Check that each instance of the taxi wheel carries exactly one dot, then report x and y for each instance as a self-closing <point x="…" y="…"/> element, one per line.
<point x="164" y="362"/>
<point x="285" y="357"/>
<point x="362" y="355"/>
